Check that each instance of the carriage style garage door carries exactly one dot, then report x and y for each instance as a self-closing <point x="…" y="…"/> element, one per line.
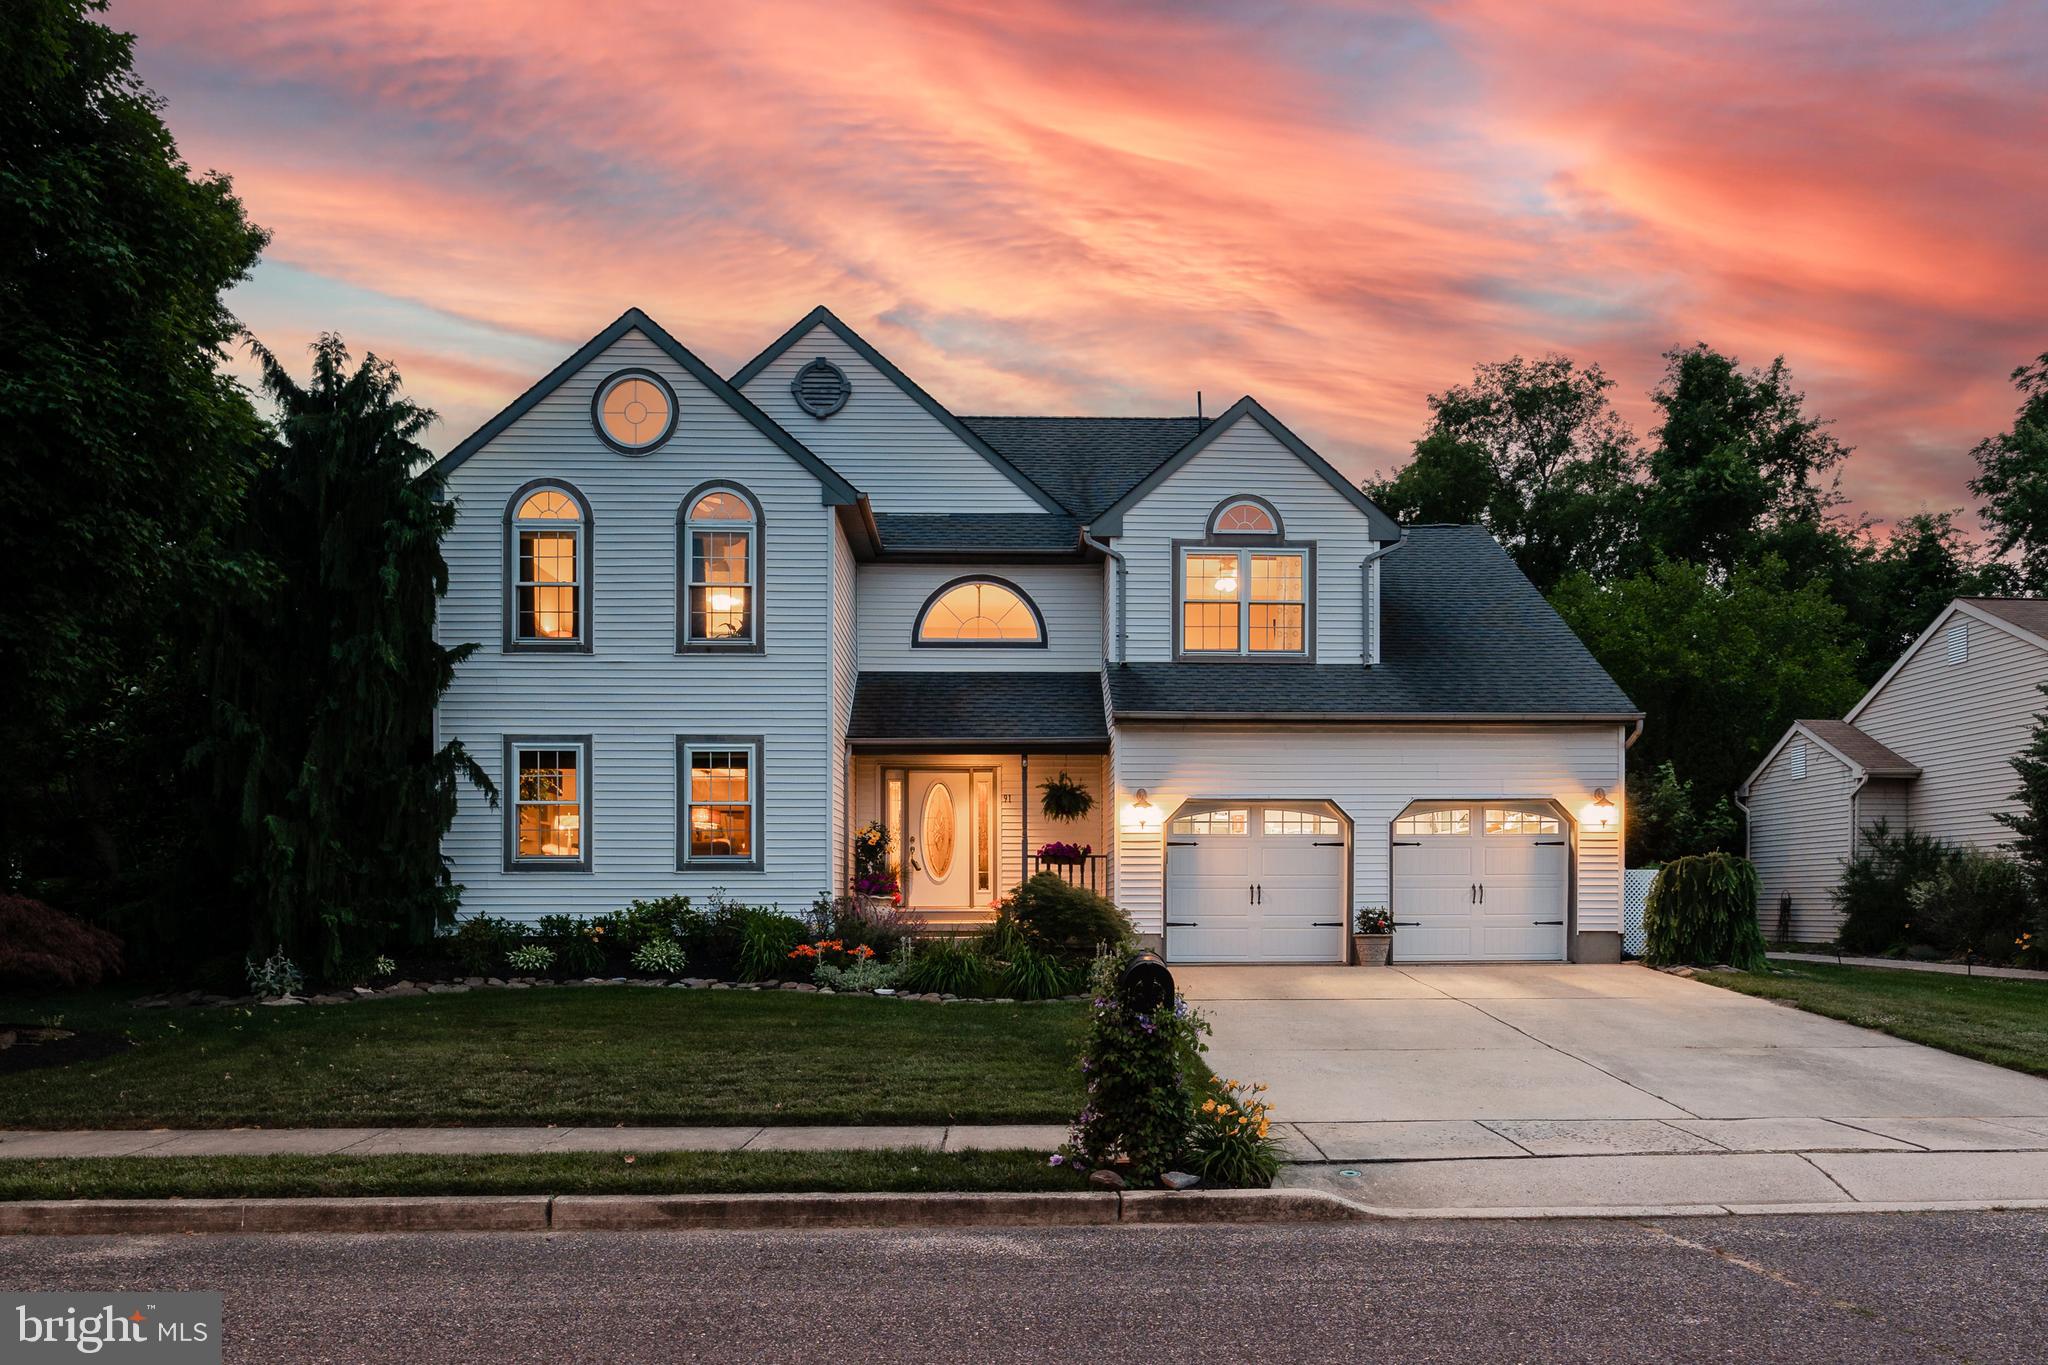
<point x="1255" y="881"/>
<point x="1480" y="882"/>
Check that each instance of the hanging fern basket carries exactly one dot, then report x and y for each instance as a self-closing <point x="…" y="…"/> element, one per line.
<point x="1065" y="799"/>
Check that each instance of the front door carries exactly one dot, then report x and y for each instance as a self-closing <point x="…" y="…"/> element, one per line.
<point x="948" y="839"/>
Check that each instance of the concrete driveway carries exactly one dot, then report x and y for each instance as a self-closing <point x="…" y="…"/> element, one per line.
<point x="1462" y="1064"/>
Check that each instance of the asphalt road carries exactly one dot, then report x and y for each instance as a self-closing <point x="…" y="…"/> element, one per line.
<point x="1858" y="1288"/>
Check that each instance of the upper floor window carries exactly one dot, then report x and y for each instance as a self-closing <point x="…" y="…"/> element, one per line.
<point x="1244" y="516"/>
<point x="635" y="411"/>
<point x="548" y="550"/>
<point x="1244" y="601"/>
<point x="980" y="611"/>
<point x="722" y="578"/>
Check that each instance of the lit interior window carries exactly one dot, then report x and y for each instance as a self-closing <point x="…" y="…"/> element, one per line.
<point x="721" y="803"/>
<point x="1244" y="602"/>
<point x="722" y="569"/>
<point x="548" y="805"/>
<point x="635" y="412"/>
<point x="1426" y="823"/>
<point x="1245" y="518"/>
<point x="979" y="611"/>
<point x="547" y="534"/>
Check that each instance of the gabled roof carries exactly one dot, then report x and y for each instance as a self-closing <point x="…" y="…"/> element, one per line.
<point x="1087" y="462"/>
<point x="1864" y="756"/>
<point x="837" y="490"/>
<point x="1465" y="635"/>
<point x="1109" y="522"/>
<point x="1006" y="708"/>
<point x="822" y="315"/>
<point x="2023" y="618"/>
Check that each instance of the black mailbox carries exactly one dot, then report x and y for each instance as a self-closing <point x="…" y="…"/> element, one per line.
<point x="1145" y="984"/>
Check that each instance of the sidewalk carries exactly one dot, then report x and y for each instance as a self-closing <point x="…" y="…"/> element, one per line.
<point x="1902" y="965"/>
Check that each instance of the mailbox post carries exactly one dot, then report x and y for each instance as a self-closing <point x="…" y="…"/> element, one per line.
<point x="1145" y="985"/>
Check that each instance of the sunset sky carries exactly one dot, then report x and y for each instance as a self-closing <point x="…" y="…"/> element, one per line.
<point x="1072" y="206"/>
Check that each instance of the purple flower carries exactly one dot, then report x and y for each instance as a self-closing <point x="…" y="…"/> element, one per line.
<point x="1056" y="1159"/>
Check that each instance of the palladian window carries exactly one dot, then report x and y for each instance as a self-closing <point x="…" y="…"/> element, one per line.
<point x="550" y="562"/>
<point x="721" y="544"/>
<point x="979" y="611"/>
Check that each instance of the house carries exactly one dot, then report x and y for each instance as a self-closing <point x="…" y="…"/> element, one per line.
<point x="1929" y="748"/>
<point x="726" y="622"/>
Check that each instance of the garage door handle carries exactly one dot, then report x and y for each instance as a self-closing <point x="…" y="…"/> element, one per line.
<point x="1328" y="843"/>
<point x="1407" y="843"/>
<point x="1183" y="924"/>
<point x="1180" y="843"/>
<point x="1546" y="921"/>
<point x="1325" y="923"/>
<point x="1406" y="923"/>
<point x="1550" y="843"/>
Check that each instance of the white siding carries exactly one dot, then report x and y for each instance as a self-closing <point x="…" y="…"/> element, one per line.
<point x="1798" y="839"/>
<point x="1960" y="724"/>
<point x="634" y="694"/>
<point x="1246" y="459"/>
<point x="1371" y="772"/>
<point x="883" y="441"/>
<point x="1017" y="824"/>
<point x="1069" y="596"/>
<point x="845" y="674"/>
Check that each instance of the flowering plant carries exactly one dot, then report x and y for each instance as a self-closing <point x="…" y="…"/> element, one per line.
<point x="1375" y="919"/>
<point x="1058" y="852"/>
<point x="1232" y="1142"/>
<point x="1140" y="1066"/>
<point x="871" y="872"/>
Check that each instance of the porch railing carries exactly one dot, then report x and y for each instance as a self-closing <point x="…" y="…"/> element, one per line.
<point x="1091" y="870"/>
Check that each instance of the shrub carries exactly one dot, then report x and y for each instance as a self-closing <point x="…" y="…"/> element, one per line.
<point x="1232" y="1142"/>
<point x="480" y="943"/>
<point x="948" y="966"/>
<point x="383" y="966"/>
<point x="40" y="946"/>
<point x="1067" y="920"/>
<point x="858" y="974"/>
<point x="1874" y="893"/>
<point x="880" y="925"/>
<point x="766" y="939"/>
<point x="1977" y="903"/>
<point x="1703" y="909"/>
<point x="666" y="918"/>
<point x="531" y="959"/>
<point x="578" y="943"/>
<point x="275" y="976"/>
<point x="1141" y="1069"/>
<point x="660" y="957"/>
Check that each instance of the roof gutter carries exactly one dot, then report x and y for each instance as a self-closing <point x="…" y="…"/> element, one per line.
<point x="1123" y="634"/>
<point x="1385" y="717"/>
<point x="1369" y="636"/>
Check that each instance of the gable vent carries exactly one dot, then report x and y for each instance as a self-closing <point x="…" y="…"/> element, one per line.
<point x="821" y="388"/>
<point x="1795" y="758"/>
<point x="1958" y="642"/>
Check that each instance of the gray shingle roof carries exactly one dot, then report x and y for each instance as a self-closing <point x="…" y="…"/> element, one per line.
<point x="1859" y="748"/>
<point x="998" y="708"/>
<point x="1465" y="634"/>
<point x="928" y="531"/>
<point x="1086" y="462"/>
<point x="2028" y="613"/>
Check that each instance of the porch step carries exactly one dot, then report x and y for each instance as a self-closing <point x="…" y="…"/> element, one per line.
<point x="951" y="923"/>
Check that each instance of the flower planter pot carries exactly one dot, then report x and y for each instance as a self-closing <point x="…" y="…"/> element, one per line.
<point x="1370" y="950"/>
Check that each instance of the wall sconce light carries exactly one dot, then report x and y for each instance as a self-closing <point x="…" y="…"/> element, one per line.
<point x="1142" y="814"/>
<point x="1602" y="812"/>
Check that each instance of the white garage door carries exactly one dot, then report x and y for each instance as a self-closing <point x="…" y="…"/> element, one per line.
<point x="1480" y="882"/>
<point x="1255" y="882"/>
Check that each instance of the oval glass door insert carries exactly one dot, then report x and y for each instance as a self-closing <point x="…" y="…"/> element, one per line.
<point x="938" y="831"/>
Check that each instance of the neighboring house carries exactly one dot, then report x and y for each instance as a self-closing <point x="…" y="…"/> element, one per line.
<point x="725" y="623"/>
<point x="1929" y="748"/>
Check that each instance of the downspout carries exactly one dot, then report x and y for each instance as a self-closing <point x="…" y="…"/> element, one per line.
<point x="1123" y="633"/>
<point x="1370" y="618"/>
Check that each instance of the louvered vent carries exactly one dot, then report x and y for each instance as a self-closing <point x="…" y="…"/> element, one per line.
<point x="821" y="388"/>
<point x="1959" y="642"/>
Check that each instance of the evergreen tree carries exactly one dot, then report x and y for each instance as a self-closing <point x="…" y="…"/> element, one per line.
<point x="2030" y="823"/>
<point x="322" y="673"/>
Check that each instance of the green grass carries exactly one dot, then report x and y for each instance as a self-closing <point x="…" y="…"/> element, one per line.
<point x="276" y="1177"/>
<point x="587" y="1056"/>
<point x="2004" y="1022"/>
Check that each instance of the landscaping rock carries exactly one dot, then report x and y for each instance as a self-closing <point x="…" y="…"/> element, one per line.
<point x="362" y="990"/>
<point x="798" y="986"/>
<point x="1107" y="1180"/>
<point x="403" y="988"/>
<point x="494" y="981"/>
<point x="1179" y="1180"/>
<point x="472" y="981"/>
<point x="284" y="1000"/>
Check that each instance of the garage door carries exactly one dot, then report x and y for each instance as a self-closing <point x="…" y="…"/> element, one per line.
<point x="1255" y="882"/>
<point x="1480" y="882"/>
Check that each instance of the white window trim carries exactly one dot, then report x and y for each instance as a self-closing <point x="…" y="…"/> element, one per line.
<point x="1183" y="550"/>
<point x="689" y="745"/>
<point x="515" y="745"/>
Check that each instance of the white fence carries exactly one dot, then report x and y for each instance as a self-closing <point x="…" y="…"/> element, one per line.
<point x="1635" y="894"/>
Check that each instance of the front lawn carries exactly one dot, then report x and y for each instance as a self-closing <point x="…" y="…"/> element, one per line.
<point x="2000" y="1021"/>
<point x="278" y="1177"/>
<point x="572" y="1056"/>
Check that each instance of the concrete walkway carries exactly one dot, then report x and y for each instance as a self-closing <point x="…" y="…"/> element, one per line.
<point x="22" y="1143"/>
<point x="1902" y="965"/>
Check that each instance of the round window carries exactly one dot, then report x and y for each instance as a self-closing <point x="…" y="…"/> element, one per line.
<point x="635" y="411"/>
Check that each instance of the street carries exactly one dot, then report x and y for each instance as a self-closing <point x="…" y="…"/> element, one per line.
<point x="1816" y="1288"/>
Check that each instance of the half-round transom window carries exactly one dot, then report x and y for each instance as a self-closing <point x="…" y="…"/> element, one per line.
<point x="635" y="411"/>
<point x="1244" y="517"/>
<point x="549" y="505"/>
<point x="980" y="611"/>
<point x="821" y="388"/>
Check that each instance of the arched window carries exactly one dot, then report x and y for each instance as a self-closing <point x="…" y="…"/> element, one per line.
<point x="721" y="553"/>
<point x="548" y="562"/>
<point x="982" y="612"/>
<point x="1244" y="516"/>
<point x="635" y="411"/>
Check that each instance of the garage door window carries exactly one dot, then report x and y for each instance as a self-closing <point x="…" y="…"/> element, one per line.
<point x="1428" y="822"/>
<point x="1213" y="822"/>
<point x="1499" y="821"/>
<point x="1301" y="822"/>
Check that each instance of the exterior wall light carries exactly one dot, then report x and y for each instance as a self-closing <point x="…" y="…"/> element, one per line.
<point x="1602" y="813"/>
<point x="1142" y="814"/>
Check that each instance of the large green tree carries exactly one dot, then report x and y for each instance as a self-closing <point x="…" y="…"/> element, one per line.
<point x="1534" y="451"/>
<point x="2012" y="479"/>
<point x="1735" y="463"/>
<point x="125" y="447"/>
<point x="1719" y="666"/>
<point x="322" y="673"/>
